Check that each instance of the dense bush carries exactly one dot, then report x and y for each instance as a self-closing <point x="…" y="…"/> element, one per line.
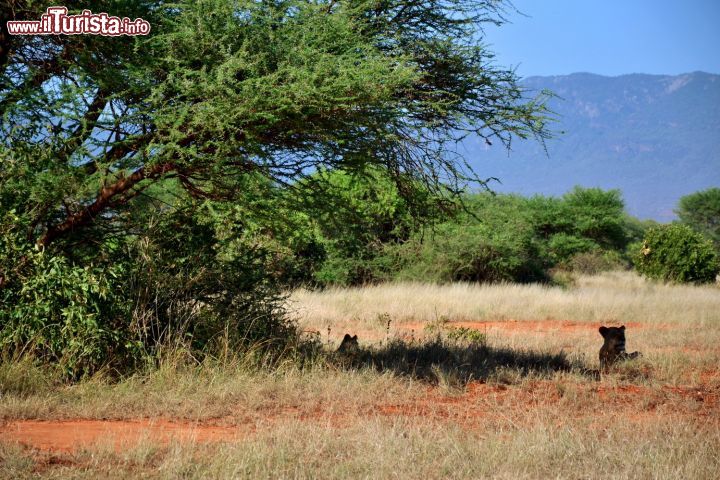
<point x="357" y="214"/>
<point x="597" y="215"/>
<point x="469" y="253"/>
<point x="492" y="241"/>
<point x="594" y="262"/>
<point x="193" y="278"/>
<point x="52" y="308"/>
<point x="582" y="220"/>
<point x="199" y="278"/>
<point x="677" y="253"/>
<point x="510" y="238"/>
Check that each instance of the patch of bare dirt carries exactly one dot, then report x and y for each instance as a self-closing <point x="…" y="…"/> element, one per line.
<point x="493" y="407"/>
<point x="72" y="435"/>
<point x="408" y="330"/>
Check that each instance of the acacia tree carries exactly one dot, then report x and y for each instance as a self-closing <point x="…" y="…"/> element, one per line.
<point x="222" y="89"/>
<point x="140" y="176"/>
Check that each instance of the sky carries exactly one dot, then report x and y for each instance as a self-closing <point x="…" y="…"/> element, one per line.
<point x="609" y="37"/>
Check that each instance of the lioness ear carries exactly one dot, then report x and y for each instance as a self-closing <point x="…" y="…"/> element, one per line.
<point x="354" y="337"/>
<point x="603" y="331"/>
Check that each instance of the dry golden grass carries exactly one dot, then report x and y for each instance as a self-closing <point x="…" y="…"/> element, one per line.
<point x="498" y="411"/>
<point x="622" y="296"/>
<point x="671" y="324"/>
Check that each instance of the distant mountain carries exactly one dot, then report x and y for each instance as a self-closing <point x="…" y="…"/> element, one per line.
<point x="655" y="137"/>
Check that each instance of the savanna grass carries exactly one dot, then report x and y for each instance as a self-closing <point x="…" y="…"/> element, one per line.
<point x="444" y="402"/>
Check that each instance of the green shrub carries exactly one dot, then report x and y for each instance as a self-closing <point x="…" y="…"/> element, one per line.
<point x="202" y="277"/>
<point x="54" y="309"/>
<point x="358" y="213"/>
<point x="374" y="234"/>
<point x="701" y="212"/>
<point x="502" y="251"/>
<point x="677" y="253"/>
<point x="562" y="247"/>
<point x="512" y="238"/>
<point x="193" y="279"/>
<point x="467" y="335"/>
<point x="597" y="215"/>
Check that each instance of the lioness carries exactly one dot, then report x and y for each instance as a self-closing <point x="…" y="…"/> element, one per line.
<point x="349" y="344"/>
<point x="614" y="347"/>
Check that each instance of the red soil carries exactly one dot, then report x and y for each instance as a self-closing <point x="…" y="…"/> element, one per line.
<point x="70" y="435"/>
<point x="479" y="406"/>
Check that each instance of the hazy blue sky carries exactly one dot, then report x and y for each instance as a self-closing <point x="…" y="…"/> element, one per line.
<point x="610" y="37"/>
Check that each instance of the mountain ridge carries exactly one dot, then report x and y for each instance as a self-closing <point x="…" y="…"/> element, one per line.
<point x="654" y="137"/>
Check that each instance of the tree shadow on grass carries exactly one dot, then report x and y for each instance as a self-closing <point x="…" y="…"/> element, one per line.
<point x="442" y="361"/>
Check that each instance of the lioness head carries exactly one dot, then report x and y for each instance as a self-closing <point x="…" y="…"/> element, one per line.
<point x="349" y="344"/>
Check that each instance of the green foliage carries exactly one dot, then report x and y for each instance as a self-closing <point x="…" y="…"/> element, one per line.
<point x="223" y="89"/>
<point x="197" y="285"/>
<point x="196" y="279"/>
<point x="270" y="221"/>
<point x="591" y="263"/>
<point x="511" y="238"/>
<point x="562" y="247"/>
<point x="54" y="309"/>
<point x="635" y="230"/>
<point x="677" y="253"/>
<point x="596" y="214"/>
<point x="582" y="220"/>
<point x="367" y="211"/>
<point x="467" y="335"/>
<point x="701" y="212"/>
<point x="467" y="252"/>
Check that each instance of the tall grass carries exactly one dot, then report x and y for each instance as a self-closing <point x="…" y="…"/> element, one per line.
<point x="622" y="296"/>
<point x="673" y="325"/>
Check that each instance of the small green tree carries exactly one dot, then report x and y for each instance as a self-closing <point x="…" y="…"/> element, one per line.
<point x="597" y="215"/>
<point x="583" y="221"/>
<point x="677" y="253"/>
<point x="701" y="212"/>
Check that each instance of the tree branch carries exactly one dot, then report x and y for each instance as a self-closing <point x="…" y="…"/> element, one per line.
<point x="84" y="128"/>
<point x="105" y="198"/>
